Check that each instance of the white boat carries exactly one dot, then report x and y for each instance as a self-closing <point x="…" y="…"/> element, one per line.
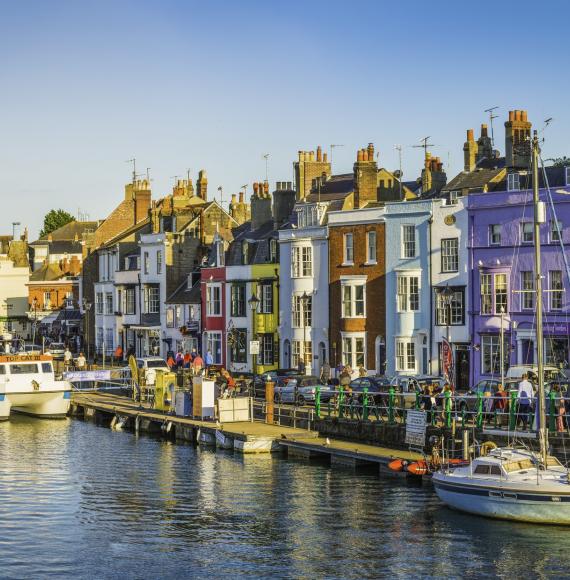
<point x="28" y="385"/>
<point x="509" y="483"/>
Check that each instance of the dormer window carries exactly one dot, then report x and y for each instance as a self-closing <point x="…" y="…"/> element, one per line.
<point x="513" y="182"/>
<point x="567" y="175"/>
<point x="453" y="197"/>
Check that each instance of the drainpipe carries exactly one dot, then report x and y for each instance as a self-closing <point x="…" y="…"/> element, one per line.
<point x="140" y="315"/>
<point x="430" y="331"/>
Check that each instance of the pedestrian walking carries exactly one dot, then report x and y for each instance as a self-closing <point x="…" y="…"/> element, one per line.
<point x="524" y="400"/>
<point x="197" y="365"/>
<point x="67" y="358"/>
<point x="81" y="362"/>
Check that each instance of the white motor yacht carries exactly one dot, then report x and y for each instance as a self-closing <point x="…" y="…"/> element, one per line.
<point x="28" y="385"/>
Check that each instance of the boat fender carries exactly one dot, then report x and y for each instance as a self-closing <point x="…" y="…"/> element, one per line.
<point x="487" y="446"/>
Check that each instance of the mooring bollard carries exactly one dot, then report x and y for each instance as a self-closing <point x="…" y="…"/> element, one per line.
<point x="513" y="411"/>
<point x="448" y="409"/>
<point x="365" y="404"/>
<point x="552" y="411"/>
<point x="391" y="397"/>
<point x="479" y="420"/>
<point x="269" y="402"/>
<point x="340" y="402"/>
<point x="318" y="401"/>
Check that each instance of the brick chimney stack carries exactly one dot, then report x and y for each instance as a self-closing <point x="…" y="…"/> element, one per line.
<point x="307" y="168"/>
<point x="517" y="140"/>
<point x="365" y="177"/>
<point x="260" y="205"/>
<point x="470" y="149"/>
<point x="202" y="185"/>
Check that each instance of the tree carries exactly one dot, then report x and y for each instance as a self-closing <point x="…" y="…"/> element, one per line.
<point x="54" y="219"/>
<point x="561" y="161"/>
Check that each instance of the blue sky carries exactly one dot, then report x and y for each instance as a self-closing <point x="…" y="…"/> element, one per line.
<point x="89" y="84"/>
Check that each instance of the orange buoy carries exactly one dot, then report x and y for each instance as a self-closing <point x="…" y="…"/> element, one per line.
<point x="397" y="465"/>
<point x="420" y="467"/>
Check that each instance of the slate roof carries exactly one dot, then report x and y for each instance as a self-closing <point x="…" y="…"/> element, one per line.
<point x="336" y="187"/>
<point x="472" y="180"/>
<point x="258" y="245"/>
<point x="47" y="273"/>
<point x="185" y="295"/>
<point x="556" y="177"/>
<point x="68" y="232"/>
<point x="65" y="247"/>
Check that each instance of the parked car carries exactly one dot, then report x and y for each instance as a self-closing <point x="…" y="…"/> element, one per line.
<point x="273" y="376"/>
<point x="57" y="350"/>
<point x="301" y="389"/>
<point x="468" y="401"/>
<point x="375" y="386"/>
<point x="31" y="349"/>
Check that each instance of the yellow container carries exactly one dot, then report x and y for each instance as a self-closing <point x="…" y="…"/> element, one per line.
<point x="164" y="391"/>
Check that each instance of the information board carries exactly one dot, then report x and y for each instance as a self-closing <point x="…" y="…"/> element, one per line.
<point x="416" y="428"/>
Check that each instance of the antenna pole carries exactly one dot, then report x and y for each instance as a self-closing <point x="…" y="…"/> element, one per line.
<point x="266" y="157"/>
<point x="399" y="150"/>
<point x="491" y="117"/>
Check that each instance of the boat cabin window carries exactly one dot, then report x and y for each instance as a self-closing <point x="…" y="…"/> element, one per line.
<point x="46" y="368"/>
<point x="486" y="469"/>
<point x="518" y="465"/>
<point x="23" y="369"/>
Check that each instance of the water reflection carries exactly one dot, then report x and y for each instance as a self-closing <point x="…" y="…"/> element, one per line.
<point x="83" y="501"/>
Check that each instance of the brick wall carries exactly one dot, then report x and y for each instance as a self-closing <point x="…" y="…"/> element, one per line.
<point x="374" y="323"/>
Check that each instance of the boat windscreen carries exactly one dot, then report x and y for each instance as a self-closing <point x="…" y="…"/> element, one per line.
<point x="518" y="465"/>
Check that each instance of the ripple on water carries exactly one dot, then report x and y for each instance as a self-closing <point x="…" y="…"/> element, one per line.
<point x="87" y="502"/>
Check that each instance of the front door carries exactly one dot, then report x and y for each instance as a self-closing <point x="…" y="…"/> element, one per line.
<point x="461" y="369"/>
<point x="527" y="352"/>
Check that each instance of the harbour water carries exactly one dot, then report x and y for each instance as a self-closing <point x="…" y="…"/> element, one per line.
<point x="82" y="501"/>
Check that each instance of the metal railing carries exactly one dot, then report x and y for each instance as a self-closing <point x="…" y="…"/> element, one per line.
<point x="443" y="410"/>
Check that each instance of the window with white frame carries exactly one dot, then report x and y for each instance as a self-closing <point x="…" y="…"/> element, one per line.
<point x="567" y="175"/>
<point x="130" y="303"/>
<point x="159" y="262"/>
<point x="452" y="313"/>
<point x="348" y="249"/>
<point x="491" y="354"/>
<point x="371" y="247"/>
<point x="527" y="287"/>
<point x="501" y="296"/>
<point x="405" y="354"/>
<point x="99" y="338"/>
<point x="98" y="302"/>
<point x="146" y="263"/>
<point x="408" y="241"/>
<point x="238" y="302"/>
<point x="178" y="315"/>
<point x="453" y="197"/>
<point x="214" y="299"/>
<point x="266" y="350"/>
<point x="408" y="293"/>
<point x="555" y="227"/>
<point x="513" y="182"/>
<point x="170" y="318"/>
<point x="301" y="261"/>
<point x="47" y="301"/>
<point x="108" y="303"/>
<point x="486" y="294"/>
<point x="495" y="234"/>
<point x="151" y="300"/>
<point x="265" y="292"/>
<point x="214" y="346"/>
<point x="450" y="255"/>
<point x="556" y="289"/>
<point x="109" y="339"/>
<point x="527" y="232"/>
<point x="354" y="351"/>
<point x="353" y="299"/>
<point x="238" y="345"/>
<point x="301" y="350"/>
<point x="302" y="310"/>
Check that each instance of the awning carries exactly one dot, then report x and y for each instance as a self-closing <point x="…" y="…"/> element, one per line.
<point x="50" y="318"/>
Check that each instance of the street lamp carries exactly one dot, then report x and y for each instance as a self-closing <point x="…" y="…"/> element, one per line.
<point x="305" y="298"/>
<point x="87" y="307"/>
<point x="35" y="308"/>
<point x="254" y="305"/>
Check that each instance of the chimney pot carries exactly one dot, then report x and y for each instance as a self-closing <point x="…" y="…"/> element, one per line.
<point x="370" y="151"/>
<point x="325" y="157"/>
<point x="319" y="153"/>
<point x="511" y="115"/>
<point x="524" y="116"/>
<point x="241" y="196"/>
<point x="470" y="135"/>
<point x="360" y="155"/>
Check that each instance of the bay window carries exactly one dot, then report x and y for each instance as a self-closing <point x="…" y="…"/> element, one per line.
<point x="408" y="293"/>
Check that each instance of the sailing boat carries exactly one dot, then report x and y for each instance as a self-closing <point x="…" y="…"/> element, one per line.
<point x="510" y="483"/>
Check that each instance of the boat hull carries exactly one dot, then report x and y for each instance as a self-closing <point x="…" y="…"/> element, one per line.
<point x="507" y="503"/>
<point x="43" y="404"/>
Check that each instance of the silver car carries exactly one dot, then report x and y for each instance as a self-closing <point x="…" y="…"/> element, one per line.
<point x="301" y="390"/>
<point x="57" y="350"/>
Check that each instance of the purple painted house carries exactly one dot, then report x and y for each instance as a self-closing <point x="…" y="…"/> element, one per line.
<point x="501" y="256"/>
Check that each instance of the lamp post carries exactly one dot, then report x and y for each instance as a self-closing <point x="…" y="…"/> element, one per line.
<point x="254" y="305"/>
<point x="305" y="298"/>
<point x="35" y="307"/>
<point x="87" y="307"/>
<point x="447" y="294"/>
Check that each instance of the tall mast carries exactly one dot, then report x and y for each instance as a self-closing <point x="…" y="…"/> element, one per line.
<point x="539" y="218"/>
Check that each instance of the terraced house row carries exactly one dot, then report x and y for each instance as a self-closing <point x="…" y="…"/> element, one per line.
<point x="361" y="268"/>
